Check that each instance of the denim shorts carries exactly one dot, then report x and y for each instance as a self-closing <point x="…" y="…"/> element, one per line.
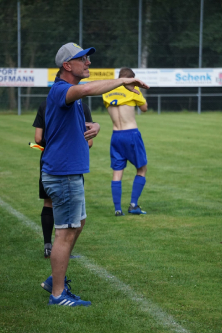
<point x="68" y="199"/>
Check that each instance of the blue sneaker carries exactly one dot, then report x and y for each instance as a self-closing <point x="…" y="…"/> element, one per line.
<point x="135" y="210"/>
<point x="47" y="285"/>
<point x="119" y="213"/>
<point x="67" y="299"/>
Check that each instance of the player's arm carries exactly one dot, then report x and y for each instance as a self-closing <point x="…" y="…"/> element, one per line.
<point x="38" y="135"/>
<point x="141" y="102"/>
<point x="100" y="87"/>
<point x="144" y="107"/>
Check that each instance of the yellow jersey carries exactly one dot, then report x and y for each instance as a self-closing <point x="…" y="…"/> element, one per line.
<point x="122" y="96"/>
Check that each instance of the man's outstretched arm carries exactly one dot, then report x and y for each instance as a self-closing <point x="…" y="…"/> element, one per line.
<point x="100" y="87"/>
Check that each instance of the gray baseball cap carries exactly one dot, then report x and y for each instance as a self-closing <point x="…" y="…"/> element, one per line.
<point x="71" y="51"/>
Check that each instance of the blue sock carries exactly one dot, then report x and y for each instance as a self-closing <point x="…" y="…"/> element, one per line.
<point x="116" y="187"/>
<point x="138" y="186"/>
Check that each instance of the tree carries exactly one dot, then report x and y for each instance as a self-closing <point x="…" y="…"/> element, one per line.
<point x="170" y="33"/>
<point x="8" y="55"/>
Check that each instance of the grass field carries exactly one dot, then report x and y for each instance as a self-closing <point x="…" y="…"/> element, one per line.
<point x="156" y="273"/>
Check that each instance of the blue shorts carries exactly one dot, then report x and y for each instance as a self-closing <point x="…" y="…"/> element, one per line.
<point x="68" y="199"/>
<point x="127" y="145"/>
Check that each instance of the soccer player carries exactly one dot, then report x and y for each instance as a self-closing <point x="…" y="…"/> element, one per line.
<point x="47" y="219"/>
<point x="66" y="157"/>
<point x="126" y="142"/>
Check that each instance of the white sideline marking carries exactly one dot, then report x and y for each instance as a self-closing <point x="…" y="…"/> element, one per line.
<point x="20" y="216"/>
<point x="145" y="305"/>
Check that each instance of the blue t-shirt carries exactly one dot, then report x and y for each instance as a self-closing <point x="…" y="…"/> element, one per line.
<point x="67" y="151"/>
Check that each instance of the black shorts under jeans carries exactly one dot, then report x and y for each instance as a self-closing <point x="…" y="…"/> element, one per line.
<point x="42" y="193"/>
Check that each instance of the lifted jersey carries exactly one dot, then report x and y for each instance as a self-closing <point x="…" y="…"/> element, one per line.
<point x="122" y="96"/>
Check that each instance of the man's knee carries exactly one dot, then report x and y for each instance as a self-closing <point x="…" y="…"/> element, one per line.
<point x="142" y="171"/>
<point x="82" y="225"/>
<point x="117" y="175"/>
<point x="48" y="202"/>
<point x="66" y="235"/>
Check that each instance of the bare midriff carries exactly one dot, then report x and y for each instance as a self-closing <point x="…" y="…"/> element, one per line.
<point x="123" y="117"/>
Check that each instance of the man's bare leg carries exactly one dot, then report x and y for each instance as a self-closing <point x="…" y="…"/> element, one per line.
<point x="78" y="231"/>
<point x="62" y="247"/>
<point x="48" y="202"/>
<point x="142" y="171"/>
<point x="117" y="175"/>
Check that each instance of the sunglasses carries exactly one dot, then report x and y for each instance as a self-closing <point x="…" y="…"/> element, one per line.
<point x="84" y="58"/>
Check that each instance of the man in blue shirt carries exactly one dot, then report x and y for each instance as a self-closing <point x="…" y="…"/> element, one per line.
<point x="47" y="219"/>
<point x="66" y="157"/>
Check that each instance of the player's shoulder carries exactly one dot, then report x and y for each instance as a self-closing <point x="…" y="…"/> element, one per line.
<point x="85" y="107"/>
<point x="42" y="108"/>
<point x="119" y="91"/>
<point x="43" y="104"/>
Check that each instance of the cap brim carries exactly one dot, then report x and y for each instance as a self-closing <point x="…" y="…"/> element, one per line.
<point x="89" y="51"/>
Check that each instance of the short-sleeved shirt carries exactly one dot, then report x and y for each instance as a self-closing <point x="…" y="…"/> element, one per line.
<point x="66" y="151"/>
<point x="39" y="121"/>
<point x="122" y="96"/>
